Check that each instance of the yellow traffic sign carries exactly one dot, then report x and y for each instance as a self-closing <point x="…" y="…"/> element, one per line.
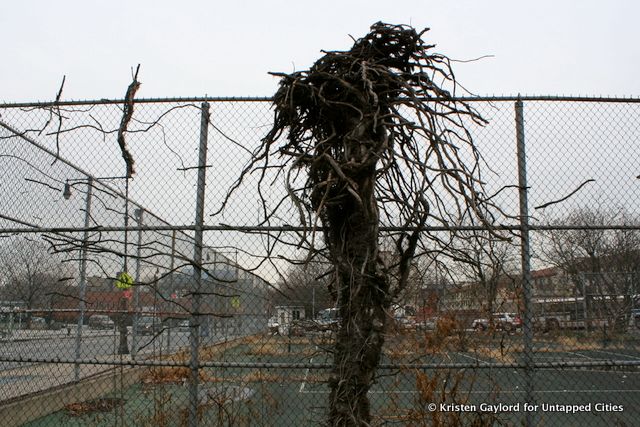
<point x="124" y="281"/>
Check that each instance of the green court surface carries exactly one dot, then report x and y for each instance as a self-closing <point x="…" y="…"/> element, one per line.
<point x="298" y="397"/>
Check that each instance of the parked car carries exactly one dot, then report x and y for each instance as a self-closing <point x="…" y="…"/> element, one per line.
<point x="427" y="324"/>
<point x="272" y="325"/>
<point x="503" y="321"/>
<point x="635" y="317"/>
<point x="38" y="323"/>
<point x="147" y="325"/>
<point x="406" y="322"/>
<point x="101" y="321"/>
<point x="328" y="319"/>
<point x="301" y="326"/>
<point x="184" y="325"/>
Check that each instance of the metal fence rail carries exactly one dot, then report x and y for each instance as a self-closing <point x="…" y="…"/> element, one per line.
<point x="216" y="321"/>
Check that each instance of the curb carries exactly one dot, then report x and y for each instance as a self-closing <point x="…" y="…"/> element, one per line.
<point x="50" y="337"/>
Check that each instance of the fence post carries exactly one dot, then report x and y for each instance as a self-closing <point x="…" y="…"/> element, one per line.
<point x="171" y="285"/>
<point x="194" y="336"/>
<point x="525" y="259"/>
<point x="83" y="277"/>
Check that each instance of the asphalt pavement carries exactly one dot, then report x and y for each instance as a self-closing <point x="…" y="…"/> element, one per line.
<point x="19" y="378"/>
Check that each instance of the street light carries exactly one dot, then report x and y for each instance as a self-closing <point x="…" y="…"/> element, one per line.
<point x="67" y="191"/>
<point x="83" y="268"/>
<point x="123" y="346"/>
<point x="139" y="216"/>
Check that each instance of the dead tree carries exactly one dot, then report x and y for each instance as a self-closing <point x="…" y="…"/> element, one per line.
<point x="366" y="138"/>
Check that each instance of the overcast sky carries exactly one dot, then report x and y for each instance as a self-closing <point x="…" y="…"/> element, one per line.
<point x="193" y="48"/>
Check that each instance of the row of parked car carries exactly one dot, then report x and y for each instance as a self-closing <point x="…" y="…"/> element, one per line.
<point x="503" y="321"/>
<point x="512" y="321"/>
<point x="500" y="321"/>
<point x="145" y="325"/>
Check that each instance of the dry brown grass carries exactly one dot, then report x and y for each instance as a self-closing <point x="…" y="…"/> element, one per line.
<point x="267" y="349"/>
<point x="211" y="352"/>
<point x="446" y="337"/>
<point x="174" y="375"/>
<point x="435" y="387"/>
<point x="579" y="343"/>
<point x="260" y="376"/>
<point x="97" y="405"/>
<point x="498" y="354"/>
<point x="279" y="350"/>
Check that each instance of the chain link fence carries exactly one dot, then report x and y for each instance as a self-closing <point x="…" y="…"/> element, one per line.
<point x="141" y="301"/>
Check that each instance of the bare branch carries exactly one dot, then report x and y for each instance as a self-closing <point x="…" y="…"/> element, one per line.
<point x="545" y="205"/>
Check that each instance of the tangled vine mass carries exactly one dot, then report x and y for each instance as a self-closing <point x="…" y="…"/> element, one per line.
<point x="378" y="138"/>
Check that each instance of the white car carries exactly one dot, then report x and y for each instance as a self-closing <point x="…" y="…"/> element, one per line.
<point x="504" y="321"/>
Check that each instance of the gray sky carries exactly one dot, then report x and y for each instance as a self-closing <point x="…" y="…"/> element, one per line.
<point x="193" y="48"/>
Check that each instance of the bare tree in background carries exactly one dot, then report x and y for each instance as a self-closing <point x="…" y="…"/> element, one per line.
<point x="307" y="285"/>
<point x="366" y="138"/>
<point x="485" y="259"/>
<point x="599" y="263"/>
<point x="30" y="271"/>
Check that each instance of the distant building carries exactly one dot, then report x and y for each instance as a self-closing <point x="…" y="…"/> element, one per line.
<point x="286" y="315"/>
<point x="231" y="298"/>
<point x="550" y="281"/>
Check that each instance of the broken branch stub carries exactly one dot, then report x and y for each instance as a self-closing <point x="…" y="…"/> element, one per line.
<point x="127" y="113"/>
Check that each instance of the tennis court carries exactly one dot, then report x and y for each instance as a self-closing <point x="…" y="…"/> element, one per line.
<point x="401" y="394"/>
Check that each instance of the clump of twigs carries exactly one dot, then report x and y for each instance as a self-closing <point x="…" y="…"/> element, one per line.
<point x="369" y="137"/>
<point x="105" y="404"/>
<point x="173" y="375"/>
<point x="446" y="387"/>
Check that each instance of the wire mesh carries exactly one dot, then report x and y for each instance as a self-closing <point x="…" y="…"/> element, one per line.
<point x="83" y="344"/>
